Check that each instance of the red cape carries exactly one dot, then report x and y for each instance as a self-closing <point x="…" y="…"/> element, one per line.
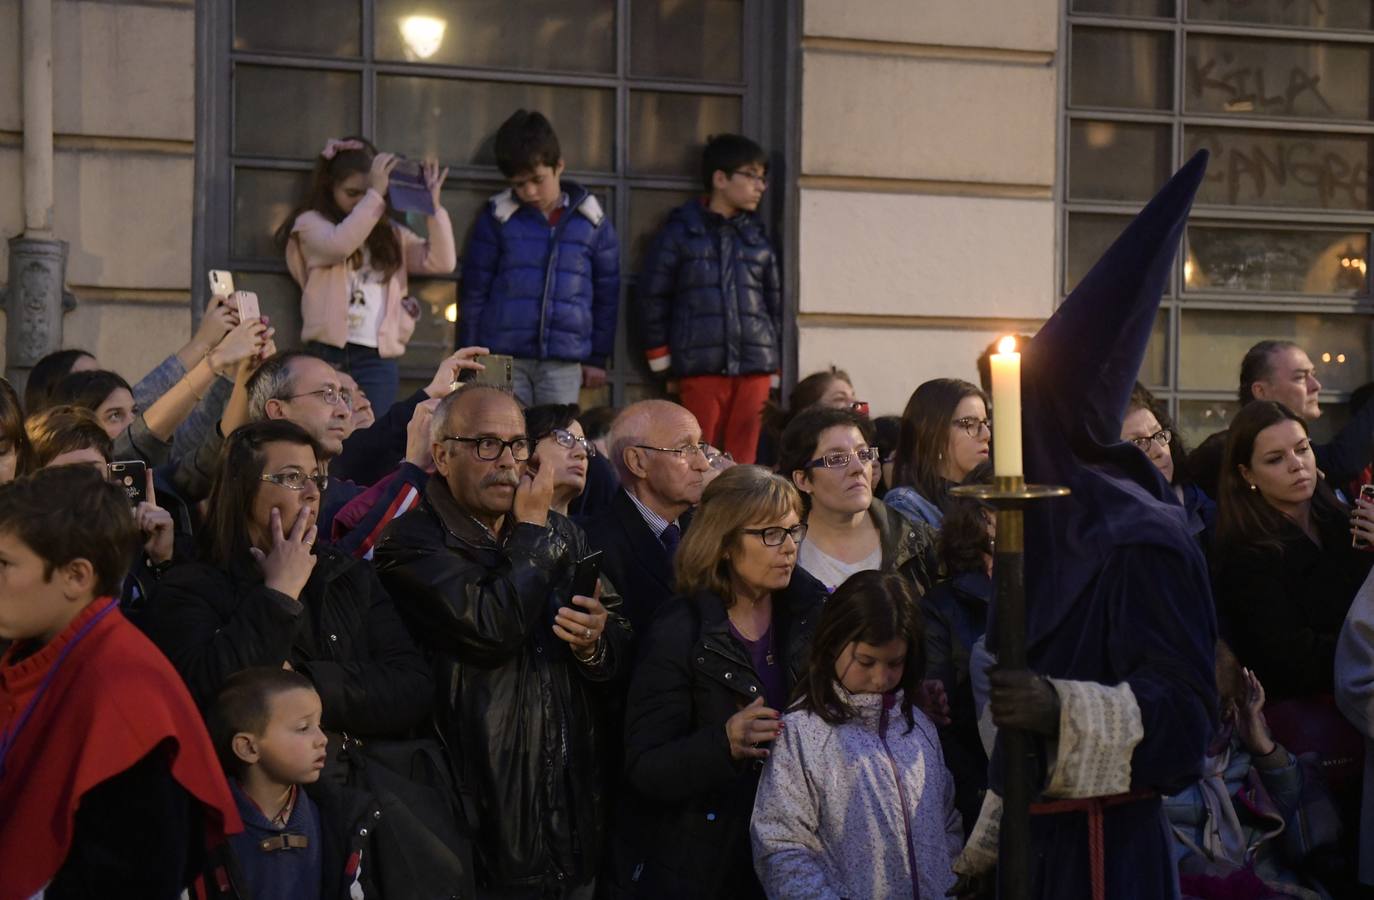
<point x="114" y="699"/>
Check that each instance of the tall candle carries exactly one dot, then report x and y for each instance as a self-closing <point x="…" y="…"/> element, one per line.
<point x="1006" y="409"/>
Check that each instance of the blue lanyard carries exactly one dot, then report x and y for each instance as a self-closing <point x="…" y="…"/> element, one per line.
<point x="11" y="735"/>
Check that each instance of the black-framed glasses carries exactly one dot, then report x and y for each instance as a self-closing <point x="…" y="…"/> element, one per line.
<point x="840" y="459"/>
<point x="1162" y="437"/>
<point x="491" y="448"/>
<point x="684" y="452"/>
<point x="296" y="480"/>
<point x="772" y="537"/>
<point x="567" y="440"/>
<point x="329" y="394"/>
<point x="760" y="180"/>
<point x="972" y="425"/>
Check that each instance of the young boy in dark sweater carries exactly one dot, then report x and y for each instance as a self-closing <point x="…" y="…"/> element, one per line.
<point x="108" y="782"/>
<point x="266" y="727"/>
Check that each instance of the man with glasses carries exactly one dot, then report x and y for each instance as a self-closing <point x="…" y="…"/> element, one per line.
<point x="482" y="570"/>
<point x="657" y="450"/>
<point x="307" y="391"/>
<point x="711" y="298"/>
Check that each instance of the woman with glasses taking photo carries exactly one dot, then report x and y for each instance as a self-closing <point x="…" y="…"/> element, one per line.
<point x="830" y="455"/>
<point x="715" y="673"/>
<point x="266" y="595"/>
<point x="945" y="434"/>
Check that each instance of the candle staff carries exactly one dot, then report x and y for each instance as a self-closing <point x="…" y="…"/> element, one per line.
<point x="1117" y="691"/>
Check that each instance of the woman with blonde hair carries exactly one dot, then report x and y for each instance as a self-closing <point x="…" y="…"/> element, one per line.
<point x="715" y="673"/>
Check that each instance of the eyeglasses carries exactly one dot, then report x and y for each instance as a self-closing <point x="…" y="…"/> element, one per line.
<point x="330" y="395"/>
<point x="718" y="458"/>
<point x="296" y="480"/>
<point x="973" y="426"/>
<point x="491" y="448"/>
<point x="760" y="180"/>
<point x="1161" y="437"/>
<point x="859" y="407"/>
<point x="772" y="537"/>
<point x="567" y="440"/>
<point x="840" y="459"/>
<point x="683" y="452"/>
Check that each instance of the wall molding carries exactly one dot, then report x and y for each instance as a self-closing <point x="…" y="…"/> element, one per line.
<point x="918" y="323"/>
<point x="875" y="185"/>
<point x="948" y="52"/>
<point x="95" y="294"/>
<point x="93" y="143"/>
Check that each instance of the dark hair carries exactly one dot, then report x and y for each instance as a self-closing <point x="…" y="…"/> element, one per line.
<point x="596" y="422"/>
<point x="524" y="141"/>
<point x="63" y="429"/>
<point x="244" y="705"/>
<point x="1257" y="366"/>
<point x="963" y="537"/>
<point x="727" y="153"/>
<point x="885" y="431"/>
<point x="383" y="245"/>
<point x="1142" y="398"/>
<point x="808" y="392"/>
<point x="72" y="512"/>
<point x="1244" y="517"/>
<point x="873" y="608"/>
<point x="1359" y="397"/>
<point x="924" y="435"/>
<point x="47" y="372"/>
<point x="803" y="434"/>
<point x="87" y="389"/>
<point x="984" y="361"/>
<point x="540" y="420"/>
<point x="225" y="535"/>
<point x="12" y="431"/>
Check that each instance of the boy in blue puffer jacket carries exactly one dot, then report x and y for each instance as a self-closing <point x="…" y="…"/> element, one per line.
<point x="710" y="301"/>
<point x="541" y="273"/>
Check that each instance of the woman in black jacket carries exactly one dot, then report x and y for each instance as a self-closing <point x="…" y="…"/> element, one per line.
<point x="714" y="676"/>
<point x="1285" y="572"/>
<point x="266" y="596"/>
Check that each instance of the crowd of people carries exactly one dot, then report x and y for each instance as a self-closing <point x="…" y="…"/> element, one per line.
<point x="270" y="631"/>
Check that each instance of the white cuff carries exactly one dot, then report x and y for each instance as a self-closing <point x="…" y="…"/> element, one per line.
<point x="980" y="853"/>
<point x="661" y="363"/>
<point x="1099" y="728"/>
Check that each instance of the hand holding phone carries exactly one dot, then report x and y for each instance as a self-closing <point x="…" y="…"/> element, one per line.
<point x="497" y="369"/>
<point x="1362" y="520"/>
<point x="586" y="575"/>
<point x="221" y="283"/>
<point x="246" y="302"/>
<point x="132" y="476"/>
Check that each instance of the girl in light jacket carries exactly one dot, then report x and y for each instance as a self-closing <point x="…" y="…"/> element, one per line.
<point x="855" y="800"/>
<point x="351" y="260"/>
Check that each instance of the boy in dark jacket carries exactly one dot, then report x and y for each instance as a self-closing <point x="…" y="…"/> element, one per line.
<point x="541" y="274"/>
<point x="266" y="729"/>
<point x="710" y="304"/>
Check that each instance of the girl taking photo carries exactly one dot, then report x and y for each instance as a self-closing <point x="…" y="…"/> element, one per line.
<point x="352" y="260"/>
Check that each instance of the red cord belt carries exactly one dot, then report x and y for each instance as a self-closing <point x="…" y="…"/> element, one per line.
<point x="1095" y="807"/>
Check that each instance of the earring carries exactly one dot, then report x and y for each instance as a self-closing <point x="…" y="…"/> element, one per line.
<point x="1253" y="486"/>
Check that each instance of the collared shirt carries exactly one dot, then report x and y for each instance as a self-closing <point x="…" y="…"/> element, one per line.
<point x="655" y="522"/>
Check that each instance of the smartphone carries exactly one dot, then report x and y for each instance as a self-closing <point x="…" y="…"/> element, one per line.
<point x="498" y="371"/>
<point x="1366" y="493"/>
<point x="406" y="190"/>
<point x="246" y="302"/>
<point x="586" y="575"/>
<point x="221" y="283"/>
<point x="132" y="475"/>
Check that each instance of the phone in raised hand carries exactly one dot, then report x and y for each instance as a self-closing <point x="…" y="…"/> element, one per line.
<point x="246" y="302"/>
<point x="1366" y="493"/>
<point x="221" y="283"/>
<point x="132" y="476"/>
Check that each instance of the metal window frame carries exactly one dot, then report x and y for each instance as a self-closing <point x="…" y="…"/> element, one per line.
<point x="770" y="41"/>
<point x="1177" y="302"/>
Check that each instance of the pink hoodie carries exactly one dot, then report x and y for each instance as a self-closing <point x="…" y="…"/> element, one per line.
<point x="317" y="256"/>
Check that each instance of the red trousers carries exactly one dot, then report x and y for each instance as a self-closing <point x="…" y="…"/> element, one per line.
<point x="729" y="410"/>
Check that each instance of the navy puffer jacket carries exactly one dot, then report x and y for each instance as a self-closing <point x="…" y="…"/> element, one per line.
<point x="538" y="291"/>
<point x="710" y="301"/>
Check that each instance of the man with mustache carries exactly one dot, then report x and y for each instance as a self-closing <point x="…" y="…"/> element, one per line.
<point x="482" y="571"/>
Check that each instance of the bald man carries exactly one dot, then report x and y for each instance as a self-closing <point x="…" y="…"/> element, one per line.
<point x="482" y="571"/>
<point x="657" y="450"/>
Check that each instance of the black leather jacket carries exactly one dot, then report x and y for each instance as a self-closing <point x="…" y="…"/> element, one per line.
<point x="521" y="717"/>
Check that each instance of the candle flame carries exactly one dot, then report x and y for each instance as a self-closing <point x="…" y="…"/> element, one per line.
<point x="1007" y="345"/>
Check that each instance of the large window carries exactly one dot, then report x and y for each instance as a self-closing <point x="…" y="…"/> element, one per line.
<point x="1282" y="94"/>
<point x="633" y="88"/>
